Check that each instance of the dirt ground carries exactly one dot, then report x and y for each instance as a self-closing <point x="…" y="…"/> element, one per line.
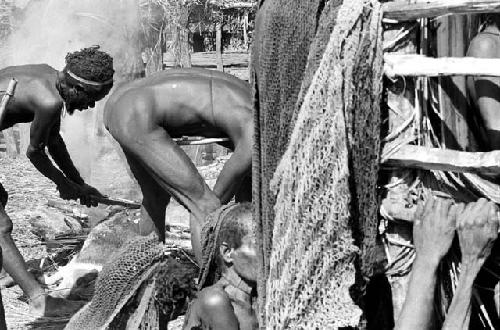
<point x="29" y="192"/>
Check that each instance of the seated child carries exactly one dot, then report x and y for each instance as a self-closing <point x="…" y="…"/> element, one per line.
<point x="230" y="302"/>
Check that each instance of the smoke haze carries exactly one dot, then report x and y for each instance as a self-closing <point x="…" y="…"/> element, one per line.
<point x="47" y="30"/>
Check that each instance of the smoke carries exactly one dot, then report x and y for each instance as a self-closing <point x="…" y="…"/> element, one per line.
<point x="47" y="30"/>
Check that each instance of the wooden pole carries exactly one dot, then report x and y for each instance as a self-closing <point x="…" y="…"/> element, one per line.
<point x="218" y="46"/>
<point x="24" y="138"/>
<point x="11" y="89"/>
<point x="406" y="11"/>
<point x="10" y="143"/>
<point x="417" y="65"/>
<point x="245" y="29"/>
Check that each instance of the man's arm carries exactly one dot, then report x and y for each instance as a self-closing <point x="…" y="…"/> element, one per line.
<point x="477" y="230"/>
<point x="40" y="129"/>
<point x="236" y="167"/>
<point x="59" y="152"/>
<point x="433" y="232"/>
<point x="486" y="90"/>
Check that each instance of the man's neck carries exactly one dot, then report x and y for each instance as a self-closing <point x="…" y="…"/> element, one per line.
<point x="236" y="281"/>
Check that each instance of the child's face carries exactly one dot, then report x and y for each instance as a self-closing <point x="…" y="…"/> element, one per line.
<point x="245" y="259"/>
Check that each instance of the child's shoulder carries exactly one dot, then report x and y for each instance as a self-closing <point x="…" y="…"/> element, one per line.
<point x="213" y="297"/>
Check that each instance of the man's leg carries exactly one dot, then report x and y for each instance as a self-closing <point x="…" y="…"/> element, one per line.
<point x="3" y="326"/>
<point x="244" y="193"/>
<point x="164" y="161"/>
<point x="13" y="262"/>
<point x="154" y="202"/>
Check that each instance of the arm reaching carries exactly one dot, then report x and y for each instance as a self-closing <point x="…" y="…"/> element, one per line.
<point x="46" y="120"/>
<point x="59" y="152"/>
<point x="39" y="133"/>
<point x="235" y="169"/>
<point x="477" y="230"/>
<point x="433" y="232"/>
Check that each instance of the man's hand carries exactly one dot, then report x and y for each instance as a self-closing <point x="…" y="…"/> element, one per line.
<point x="477" y="225"/>
<point x="87" y="193"/>
<point x="70" y="190"/>
<point x="433" y="228"/>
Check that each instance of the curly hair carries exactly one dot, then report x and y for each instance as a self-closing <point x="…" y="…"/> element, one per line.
<point x="90" y="63"/>
<point x="235" y="226"/>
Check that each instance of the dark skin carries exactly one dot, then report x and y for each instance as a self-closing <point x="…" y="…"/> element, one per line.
<point x="145" y="115"/>
<point x="485" y="91"/>
<point x="38" y="100"/>
<point x="226" y="307"/>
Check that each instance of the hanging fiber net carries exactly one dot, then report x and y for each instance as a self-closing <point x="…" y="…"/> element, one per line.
<point x="146" y="283"/>
<point x="284" y="31"/>
<point x="325" y="183"/>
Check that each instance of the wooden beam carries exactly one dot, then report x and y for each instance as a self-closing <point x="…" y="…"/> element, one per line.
<point x="406" y="10"/>
<point x="418" y="65"/>
<point x="485" y="163"/>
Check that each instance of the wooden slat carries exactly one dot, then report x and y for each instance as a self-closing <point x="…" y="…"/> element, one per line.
<point x="417" y="65"/>
<point x="191" y="141"/>
<point x="406" y="10"/>
<point x="208" y="59"/>
<point x="485" y="163"/>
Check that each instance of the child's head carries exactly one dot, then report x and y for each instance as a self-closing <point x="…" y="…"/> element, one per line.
<point x="236" y="242"/>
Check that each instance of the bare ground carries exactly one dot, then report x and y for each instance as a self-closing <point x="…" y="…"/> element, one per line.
<point x="29" y="192"/>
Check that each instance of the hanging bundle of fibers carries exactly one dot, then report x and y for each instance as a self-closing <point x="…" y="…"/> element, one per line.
<point x="312" y="264"/>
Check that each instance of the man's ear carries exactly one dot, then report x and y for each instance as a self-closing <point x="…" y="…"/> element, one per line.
<point x="226" y="253"/>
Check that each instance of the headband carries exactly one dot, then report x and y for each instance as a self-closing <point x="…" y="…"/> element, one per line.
<point x="88" y="82"/>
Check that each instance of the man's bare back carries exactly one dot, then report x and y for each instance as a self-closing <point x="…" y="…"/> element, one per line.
<point x="144" y="116"/>
<point x="41" y="95"/>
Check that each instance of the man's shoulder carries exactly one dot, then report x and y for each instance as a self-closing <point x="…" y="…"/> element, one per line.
<point x="485" y="45"/>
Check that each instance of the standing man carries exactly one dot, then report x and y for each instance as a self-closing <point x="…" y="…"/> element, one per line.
<point x="41" y="96"/>
<point x="484" y="100"/>
<point x="145" y="115"/>
<point x="484" y="92"/>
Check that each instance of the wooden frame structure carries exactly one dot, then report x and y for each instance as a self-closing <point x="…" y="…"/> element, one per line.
<point x="421" y="66"/>
<point x="449" y="162"/>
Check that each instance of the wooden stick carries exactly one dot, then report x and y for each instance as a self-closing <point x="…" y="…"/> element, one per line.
<point x="485" y="163"/>
<point x="6" y="97"/>
<point x="117" y="201"/>
<point x="192" y="141"/>
<point x="417" y="65"/>
<point x="406" y="11"/>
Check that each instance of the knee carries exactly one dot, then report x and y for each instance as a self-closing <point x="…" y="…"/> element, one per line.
<point x="208" y="203"/>
<point x="5" y="224"/>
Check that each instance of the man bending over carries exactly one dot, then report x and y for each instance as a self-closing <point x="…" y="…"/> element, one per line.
<point x="145" y="115"/>
<point x="41" y="95"/>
